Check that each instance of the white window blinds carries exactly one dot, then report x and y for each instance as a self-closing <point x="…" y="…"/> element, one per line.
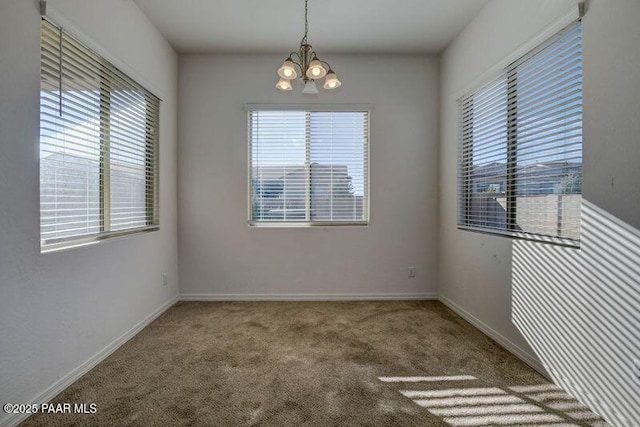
<point x="98" y="146"/>
<point x="520" y="157"/>
<point x="309" y="166"/>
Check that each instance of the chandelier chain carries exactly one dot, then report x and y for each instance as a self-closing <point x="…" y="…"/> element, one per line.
<point x="306" y="19"/>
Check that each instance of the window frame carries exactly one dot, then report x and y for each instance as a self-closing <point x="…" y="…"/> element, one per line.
<point x="508" y="71"/>
<point x="310" y="108"/>
<point x="111" y="71"/>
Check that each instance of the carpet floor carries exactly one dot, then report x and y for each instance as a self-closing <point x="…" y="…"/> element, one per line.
<point x="412" y="363"/>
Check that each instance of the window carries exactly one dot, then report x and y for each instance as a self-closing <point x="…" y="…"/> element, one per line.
<point x="308" y="167"/>
<point x="98" y="146"/>
<point x="520" y="156"/>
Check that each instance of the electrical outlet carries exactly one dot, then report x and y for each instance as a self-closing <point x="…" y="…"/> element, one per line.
<point x="411" y="272"/>
<point x="165" y="279"/>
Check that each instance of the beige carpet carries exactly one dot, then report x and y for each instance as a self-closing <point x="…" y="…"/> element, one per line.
<point x="320" y="364"/>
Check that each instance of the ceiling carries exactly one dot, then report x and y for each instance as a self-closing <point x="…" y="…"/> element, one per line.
<point x="335" y="26"/>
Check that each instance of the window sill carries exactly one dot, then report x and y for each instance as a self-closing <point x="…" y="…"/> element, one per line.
<point x="53" y="247"/>
<point x="269" y="224"/>
<point x="535" y="238"/>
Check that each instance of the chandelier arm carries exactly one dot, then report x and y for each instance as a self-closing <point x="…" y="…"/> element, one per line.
<point x="299" y="63"/>
<point x="299" y="66"/>
<point x="325" y="63"/>
<point x="294" y="53"/>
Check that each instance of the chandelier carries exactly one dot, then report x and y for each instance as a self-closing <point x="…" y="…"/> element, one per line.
<point x="311" y="68"/>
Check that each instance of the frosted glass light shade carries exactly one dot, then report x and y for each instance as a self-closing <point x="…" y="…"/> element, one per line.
<point x="316" y="70"/>
<point x="332" y="82"/>
<point x="287" y="71"/>
<point x="310" y="88"/>
<point x="284" y="84"/>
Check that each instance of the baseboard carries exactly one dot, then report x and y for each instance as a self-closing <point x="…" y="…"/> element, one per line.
<point x="517" y="351"/>
<point x="308" y="297"/>
<point x="587" y="398"/>
<point x="64" y="382"/>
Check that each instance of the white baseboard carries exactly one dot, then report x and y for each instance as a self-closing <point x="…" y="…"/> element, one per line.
<point x="517" y="351"/>
<point x="64" y="382"/>
<point x="587" y="398"/>
<point x="308" y="297"/>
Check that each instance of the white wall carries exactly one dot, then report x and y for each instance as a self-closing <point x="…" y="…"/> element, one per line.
<point x="58" y="310"/>
<point x="221" y="257"/>
<point x="475" y="269"/>
<point x="578" y="310"/>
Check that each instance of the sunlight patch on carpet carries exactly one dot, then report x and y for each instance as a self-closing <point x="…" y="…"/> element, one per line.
<point x="471" y="403"/>
<point x="425" y="379"/>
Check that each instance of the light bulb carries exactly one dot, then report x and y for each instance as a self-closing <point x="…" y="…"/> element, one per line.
<point x="332" y="82"/>
<point x="284" y="84"/>
<point x="316" y="70"/>
<point x="287" y="70"/>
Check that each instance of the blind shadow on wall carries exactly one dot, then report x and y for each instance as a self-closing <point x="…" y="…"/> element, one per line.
<point x="579" y="309"/>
